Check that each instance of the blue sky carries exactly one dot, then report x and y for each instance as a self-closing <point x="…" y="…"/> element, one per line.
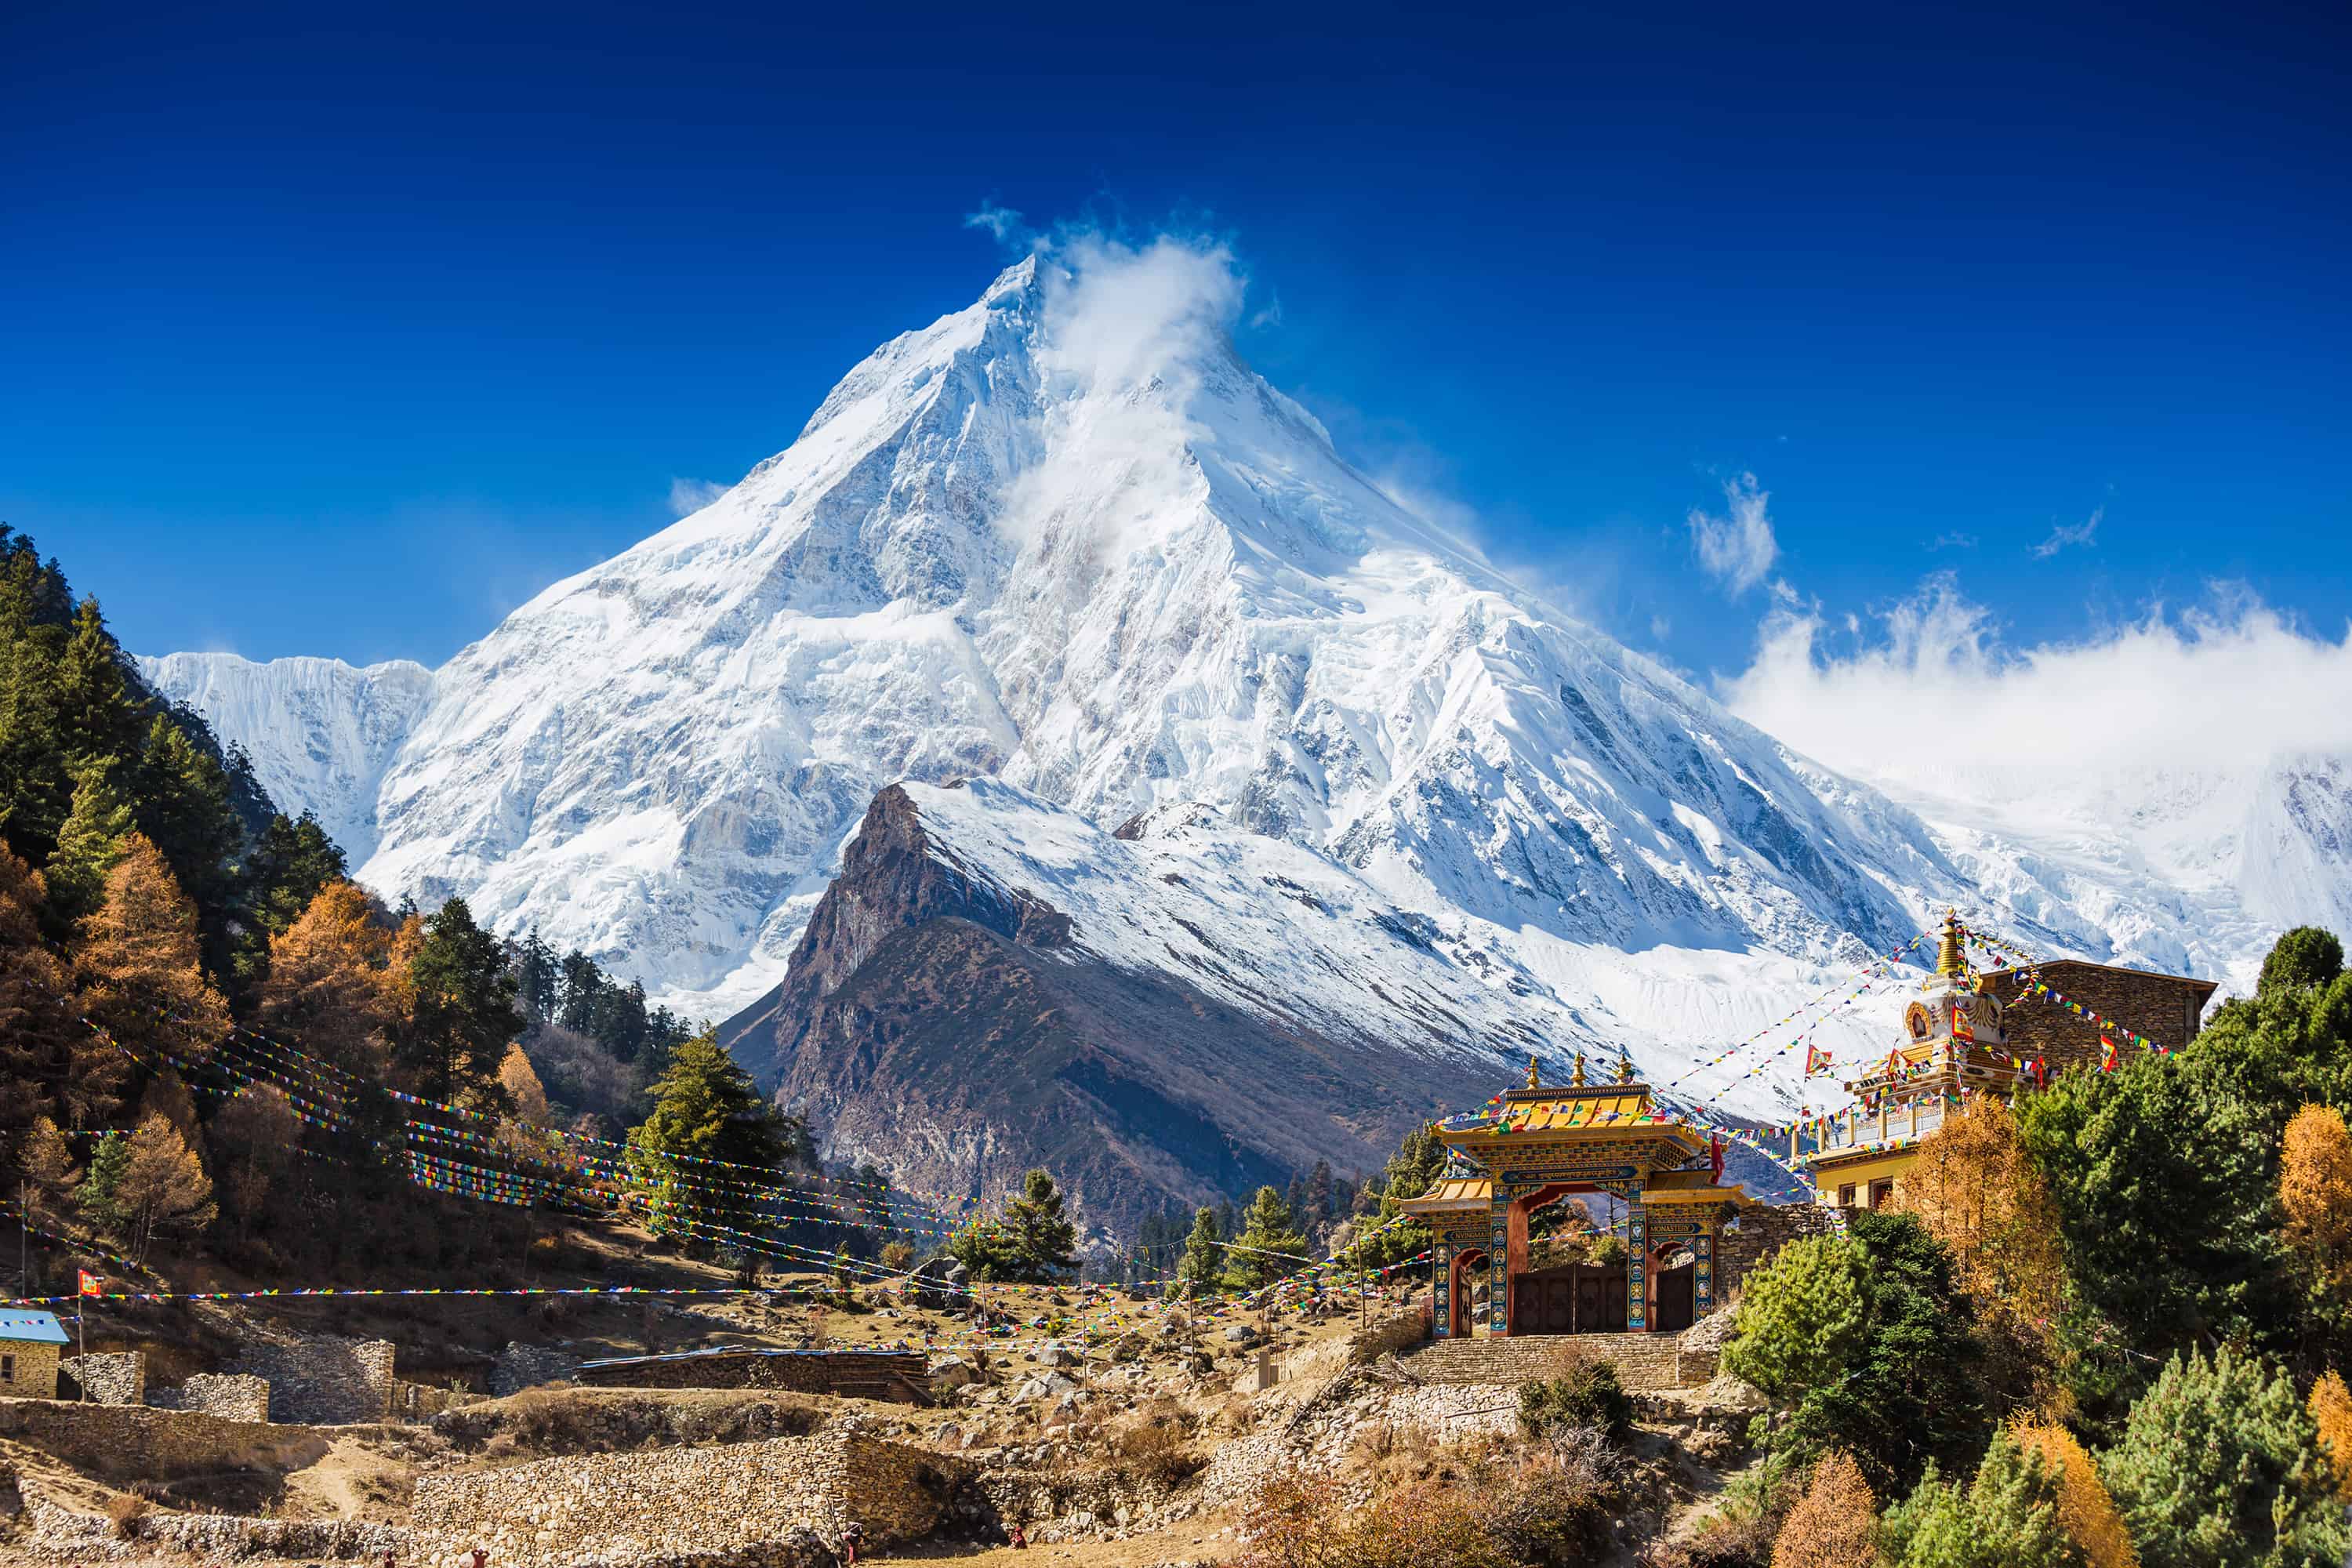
<point x="342" y="331"/>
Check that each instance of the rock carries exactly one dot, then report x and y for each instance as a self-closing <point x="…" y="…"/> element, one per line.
<point x="954" y="1372"/>
<point x="1240" y="1334"/>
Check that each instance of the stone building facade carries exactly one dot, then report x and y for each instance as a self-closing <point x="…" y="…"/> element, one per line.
<point x="2167" y="1008"/>
<point x="111" y="1377"/>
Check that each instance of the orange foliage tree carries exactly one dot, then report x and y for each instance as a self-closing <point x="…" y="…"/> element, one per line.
<point x="2085" y="1511"/>
<point x="50" y="1064"/>
<point x="142" y="976"/>
<point x="2331" y="1407"/>
<point x="1836" y="1523"/>
<point x="2316" y="1191"/>
<point x="1975" y="1189"/>
<point x="330" y="987"/>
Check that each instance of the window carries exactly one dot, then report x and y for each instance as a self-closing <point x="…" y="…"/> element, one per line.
<point x="7" y="1369"/>
<point x="1881" y="1194"/>
<point x="1845" y="1196"/>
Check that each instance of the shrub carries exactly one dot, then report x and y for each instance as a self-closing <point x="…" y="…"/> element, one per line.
<point x="1802" y="1317"/>
<point x="897" y="1257"/>
<point x="2006" y="1518"/>
<point x="1585" y="1393"/>
<point x="1152" y="1446"/>
<point x="1552" y="1509"/>
<point x="125" y="1512"/>
<point x="2221" y="1466"/>
<point x="1308" y="1520"/>
<point x="1836" y="1523"/>
<point x="2087" y="1513"/>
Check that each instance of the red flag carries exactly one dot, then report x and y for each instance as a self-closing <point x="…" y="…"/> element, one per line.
<point x="90" y="1284"/>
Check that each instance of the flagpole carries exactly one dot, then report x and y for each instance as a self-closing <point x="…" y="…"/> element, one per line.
<point x="81" y="1342"/>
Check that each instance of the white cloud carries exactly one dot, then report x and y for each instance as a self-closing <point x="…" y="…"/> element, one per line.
<point x="2232" y="682"/>
<point x="1739" y="549"/>
<point x="1120" y="319"/>
<point x="690" y="496"/>
<point x="2066" y="534"/>
<point x="1954" y="541"/>
<point x="1003" y="222"/>
<point x="1269" y="317"/>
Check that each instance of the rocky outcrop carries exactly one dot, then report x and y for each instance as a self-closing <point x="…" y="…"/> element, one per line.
<point x="957" y="1034"/>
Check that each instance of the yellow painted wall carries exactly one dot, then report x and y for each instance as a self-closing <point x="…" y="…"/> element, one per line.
<point x="1860" y="1173"/>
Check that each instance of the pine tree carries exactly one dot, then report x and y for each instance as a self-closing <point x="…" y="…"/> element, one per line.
<point x="101" y="1182"/>
<point x="1044" y="1243"/>
<point x="2221" y="1466"/>
<point x="181" y="798"/>
<point x="705" y="1108"/>
<point x="1803" y="1317"/>
<point x="462" y="1012"/>
<point x="1203" y="1262"/>
<point x="2007" y="1517"/>
<point x="89" y="844"/>
<point x="98" y="707"/>
<point x="1269" y="1247"/>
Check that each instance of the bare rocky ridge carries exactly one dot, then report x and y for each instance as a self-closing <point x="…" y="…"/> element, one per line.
<point x="961" y="1030"/>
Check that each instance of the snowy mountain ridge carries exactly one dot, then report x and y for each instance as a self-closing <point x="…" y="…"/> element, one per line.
<point x="1065" y="539"/>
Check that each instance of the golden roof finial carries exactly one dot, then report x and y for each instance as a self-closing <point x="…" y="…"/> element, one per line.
<point x="1578" y="1082"/>
<point x="1950" y="962"/>
<point x="1533" y="1081"/>
<point x="1624" y="1068"/>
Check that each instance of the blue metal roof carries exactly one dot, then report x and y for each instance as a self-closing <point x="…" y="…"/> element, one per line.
<point x="31" y="1327"/>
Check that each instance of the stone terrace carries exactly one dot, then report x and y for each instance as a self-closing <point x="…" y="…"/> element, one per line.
<point x="1645" y="1362"/>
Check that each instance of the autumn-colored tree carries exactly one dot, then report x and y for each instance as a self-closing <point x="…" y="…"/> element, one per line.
<point x="167" y="1095"/>
<point x="2331" y="1407"/>
<point x="143" y="979"/>
<point x="2087" y="1513"/>
<point x="520" y="1081"/>
<point x="1975" y="1189"/>
<point x="254" y="1137"/>
<point x="50" y="1064"/>
<point x="163" y="1187"/>
<point x="1836" y="1523"/>
<point x="2315" y="1193"/>
<point x="330" y="986"/>
<point x="45" y="1166"/>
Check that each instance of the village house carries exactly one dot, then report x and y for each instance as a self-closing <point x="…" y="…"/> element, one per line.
<point x="30" y="1343"/>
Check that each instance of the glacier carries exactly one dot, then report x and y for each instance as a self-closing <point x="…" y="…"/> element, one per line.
<point x="1065" y="539"/>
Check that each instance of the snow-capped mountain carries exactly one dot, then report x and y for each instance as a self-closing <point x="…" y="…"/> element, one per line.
<point x="1067" y="539"/>
<point x="320" y="731"/>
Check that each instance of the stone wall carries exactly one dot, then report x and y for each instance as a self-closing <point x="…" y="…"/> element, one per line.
<point x="56" y="1534"/>
<point x="1391" y="1335"/>
<point x="1763" y="1231"/>
<point x="32" y="1371"/>
<point x="116" y="1377"/>
<point x="1644" y="1362"/>
<point x="522" y="1366"/>
<point x="424" y="1401"/>
<point x="2164" y="1007"/>
<point x="125" y="1442"/>
<point x="772" y="1501"/>
<point x="901" y="1376"/>
<point x="230" y="1395"/>
<point x="322" y="1380"/>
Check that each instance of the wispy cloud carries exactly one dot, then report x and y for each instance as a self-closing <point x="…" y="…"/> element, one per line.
<point x="2069" y="533"/>
<point x="689" y="496"/>
<point x="1738" y="549"/>
<point x="1271" y="316"/>
<point x="2233" y="678"/>
<point x="1003" y="222"/>
<point x="1955" y="542"/>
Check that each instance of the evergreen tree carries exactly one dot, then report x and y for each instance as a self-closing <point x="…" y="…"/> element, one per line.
<point x="2303" y="959"/>
<point x="2007" y="1517"/>
<point x="2221" y="1466"/>
<point x="181" y="802"/>
<point x="98" y="707"/>
<point x="1043" y="1242"/>
<point x="1803" y="1317"/>
<point x="101" y="1182"/>
<point x="538" y="977"/>
<point x="89" y="844"/>
<point x="1410" y="1173"/>
<point x="1269" y="1247"/>
<point x="706" y="1108"/>
<point x="1203" y="1263"/>
<point x="462" y="1011"/>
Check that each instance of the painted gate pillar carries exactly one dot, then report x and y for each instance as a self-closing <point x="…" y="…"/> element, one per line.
<point x="1637" y="1264"/>
<point x="1498" y="1268"/>
<point x="1703" y="1273"/>
<point x="1440" y="1287"/>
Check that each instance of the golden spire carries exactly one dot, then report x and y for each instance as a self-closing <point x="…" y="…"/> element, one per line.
<point x="1578" y="1082"/>
<point x="1950" y="962"/>
<point x="1533" y="1081"/>
<point x="1624" y="1068"/>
